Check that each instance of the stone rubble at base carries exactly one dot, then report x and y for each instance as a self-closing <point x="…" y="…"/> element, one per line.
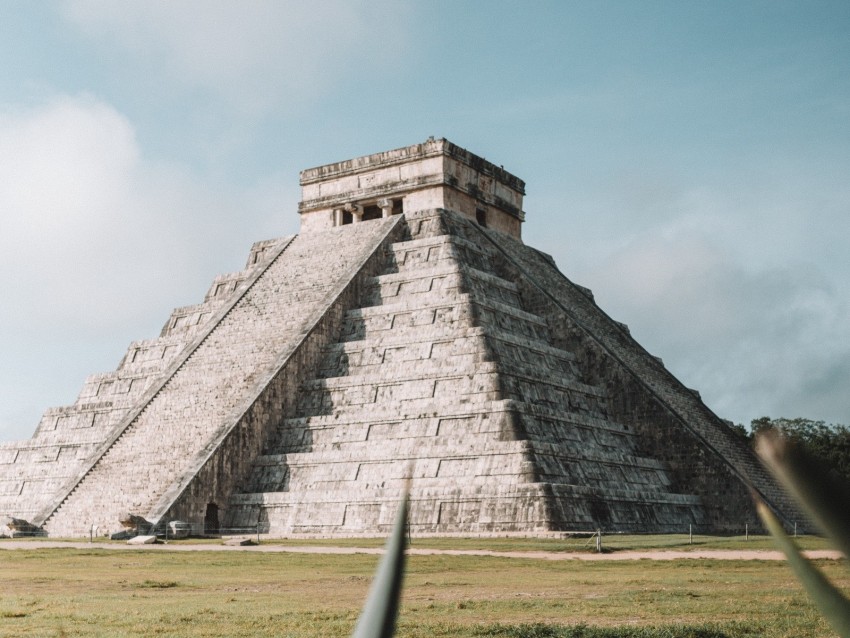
<point x="406" y="332"/>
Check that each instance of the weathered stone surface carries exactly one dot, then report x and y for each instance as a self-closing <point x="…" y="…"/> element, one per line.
<point x="304" y="391"/>
<point x="179" y="529"/>
<point x="132" y="521"/>
<point x="240" y="542"/>
<point x="123" y="535"/>
<point x="142" y="540"/>
<point x="18" y="525"/>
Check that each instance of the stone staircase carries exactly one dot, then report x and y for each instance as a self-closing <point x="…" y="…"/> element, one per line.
<point x="33" y="471"/>
<point x="204" y="394"/>
<point x="443" y="376"/>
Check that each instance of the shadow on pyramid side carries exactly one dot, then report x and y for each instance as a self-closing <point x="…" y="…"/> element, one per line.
<point x="406" y="332"/>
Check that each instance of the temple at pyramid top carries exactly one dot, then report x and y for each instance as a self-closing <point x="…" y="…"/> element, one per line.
<point x="431" y="175"/>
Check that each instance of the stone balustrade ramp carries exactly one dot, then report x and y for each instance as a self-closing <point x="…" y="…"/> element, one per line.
<point x="205" y="394"/>
<point x="32" y="472"/>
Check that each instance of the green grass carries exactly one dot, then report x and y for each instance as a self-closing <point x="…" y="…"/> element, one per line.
<point x="122" y="593"/>
<point x="616" y="542"/>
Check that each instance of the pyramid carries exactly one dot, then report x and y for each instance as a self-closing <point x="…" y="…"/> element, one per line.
<point x="406" y="334"/>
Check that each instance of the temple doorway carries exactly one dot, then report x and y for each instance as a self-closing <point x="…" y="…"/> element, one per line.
<point x="211" y="526"/>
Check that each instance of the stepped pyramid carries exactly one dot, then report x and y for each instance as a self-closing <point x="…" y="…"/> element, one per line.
<point x="405" y="332"/>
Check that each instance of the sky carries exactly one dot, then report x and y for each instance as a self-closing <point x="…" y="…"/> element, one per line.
<point x="687" y="161"/>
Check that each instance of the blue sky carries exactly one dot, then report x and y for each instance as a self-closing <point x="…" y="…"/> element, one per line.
<point x="689" y="162"/>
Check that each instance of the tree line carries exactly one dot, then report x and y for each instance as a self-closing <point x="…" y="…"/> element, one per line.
<point x="828" y="442"/>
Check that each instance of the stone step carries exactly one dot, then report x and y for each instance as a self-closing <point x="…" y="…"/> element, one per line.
<point x="433" y="284"/>
<point x="359" y="478"/>
<point x="377" y="448"/>
<point x="445" y="238"/>
<point x="189" y="320"/>
<point x="414" y="255"/>
<point x="393" y="492"/>
<point x="449" y="276"/>
<point x="403" y="372"/>
<point x="70" y="422"/>
<point x="475" y="388"/>
<point x="366" y="323"/>
<point x="225" y="285"/>
<point x="353" y="358"/>
<point x="304" y="470"/>
<point x="152" y="354"/>
<point x="439" y="299"/>
<point x="448" y="444"/>
<point x="414" y="338"/>
<point x="448" y="267"/>
<point x="486" y="287"/>
<point x="102" y="387"/>
<point x="518" y="349"/>
<point x="373" y="510"/>
<point x="297" y="473"/>
<point x="406" y="247"/>
<point x="507" y="418"/>
<point x="489" y="418"/>
<point x="390" y="494"/>
<point x="414" y="345"/>
<point x="426" y="223"/>
<point x="433" y="378"/>
<point x="418" y="360"/>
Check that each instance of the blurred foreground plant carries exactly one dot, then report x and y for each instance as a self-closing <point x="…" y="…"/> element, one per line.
<point x="826" y="499"/>
<point x="377" y="620"/>
<point x="823" y="496"/>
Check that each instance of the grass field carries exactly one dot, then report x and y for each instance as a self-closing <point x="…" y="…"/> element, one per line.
<point x="66" y="592"/>
<point x="611" y="542"/>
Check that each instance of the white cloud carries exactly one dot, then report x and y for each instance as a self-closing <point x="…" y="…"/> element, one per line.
<point x="65" y="171"/>
<point x="753" y="341"/>
<point x="738" y="279"/>
<point x="259" y="54"/>
<point x="68" y="160"/>
<point x="99" y="243"/>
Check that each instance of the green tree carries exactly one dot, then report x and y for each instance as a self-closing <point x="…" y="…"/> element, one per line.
<point x="827" y="443"/>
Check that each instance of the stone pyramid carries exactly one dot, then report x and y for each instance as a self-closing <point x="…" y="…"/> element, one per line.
<point x="405" y="332"/>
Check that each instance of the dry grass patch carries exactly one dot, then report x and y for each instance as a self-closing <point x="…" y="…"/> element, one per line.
<point x="141" y="593"/>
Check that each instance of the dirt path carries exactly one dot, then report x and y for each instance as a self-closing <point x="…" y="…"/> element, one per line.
<point x="713" y="554"/>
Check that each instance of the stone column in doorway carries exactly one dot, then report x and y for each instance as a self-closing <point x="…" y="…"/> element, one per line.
<point x="356" y="212"/>
<point x="386" y="206"/>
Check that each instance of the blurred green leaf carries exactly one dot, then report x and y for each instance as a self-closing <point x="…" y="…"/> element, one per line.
<point x="379" y="613"/>
<point x="824" y="496"/>
<point x="834" y="606"/>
